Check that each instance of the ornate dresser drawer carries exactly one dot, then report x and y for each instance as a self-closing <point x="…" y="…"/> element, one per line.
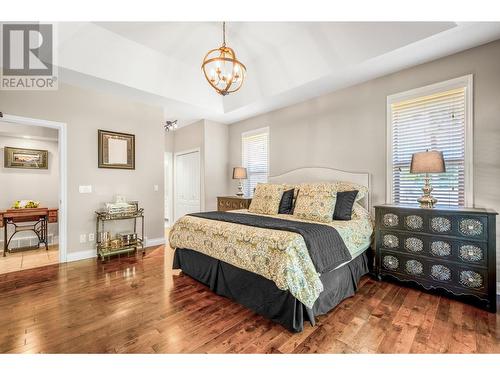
<point x="458" y="250"/>
<point x="232" y="203"/>
<point x="448" y="249"/>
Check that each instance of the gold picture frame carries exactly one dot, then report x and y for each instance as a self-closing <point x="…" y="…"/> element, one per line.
<point x="26" y="158"/>
<point x="116" y="150"/>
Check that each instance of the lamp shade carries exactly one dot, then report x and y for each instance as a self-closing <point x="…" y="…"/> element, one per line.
<point x="239" y="173"/>
<point x="427" y="162"/>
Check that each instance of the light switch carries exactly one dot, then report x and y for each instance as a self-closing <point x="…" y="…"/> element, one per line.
<point x="155" y="187"/>
<point x="85" y="189"/>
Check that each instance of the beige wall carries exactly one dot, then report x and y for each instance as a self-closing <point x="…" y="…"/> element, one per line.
<point x="216" y="140"/>
<point x="40" y="185"/>
<point x="347" y="129"/>
<point x="85" y="111"/>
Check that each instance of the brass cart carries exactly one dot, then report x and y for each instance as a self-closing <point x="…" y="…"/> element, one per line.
<point x="106" y="247"/>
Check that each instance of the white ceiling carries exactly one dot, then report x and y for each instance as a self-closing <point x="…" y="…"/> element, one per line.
<point x="287" y="62"/>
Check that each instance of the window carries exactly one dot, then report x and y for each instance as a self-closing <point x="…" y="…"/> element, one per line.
<point x="255" y="158"/>
<point x="436" y="117"/>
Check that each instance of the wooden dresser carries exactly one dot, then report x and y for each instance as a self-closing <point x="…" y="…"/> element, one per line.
<point x="439" y="248"/>
<point x="232" y="203"/>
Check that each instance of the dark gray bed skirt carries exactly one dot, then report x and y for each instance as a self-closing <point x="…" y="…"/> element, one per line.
<point x="262" y="296"/>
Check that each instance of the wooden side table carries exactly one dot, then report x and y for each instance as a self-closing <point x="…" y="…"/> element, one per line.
<point x="229" y="203"/>
<point x="37" y="219"/>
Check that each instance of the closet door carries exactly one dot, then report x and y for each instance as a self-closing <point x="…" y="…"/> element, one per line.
<point x="187" y="183"/>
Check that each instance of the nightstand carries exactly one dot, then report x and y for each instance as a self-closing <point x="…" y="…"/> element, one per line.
<point x="440" y="248"/>
<point x="232" y="203"/>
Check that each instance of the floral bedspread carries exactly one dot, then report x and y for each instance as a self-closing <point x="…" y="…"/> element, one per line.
<point x="279" y="256"/>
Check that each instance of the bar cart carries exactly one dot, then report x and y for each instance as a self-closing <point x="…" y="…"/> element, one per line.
<point x="106" y="246"/>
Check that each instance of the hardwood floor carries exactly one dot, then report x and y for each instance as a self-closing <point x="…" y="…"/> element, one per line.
<point x="138" y="305"/>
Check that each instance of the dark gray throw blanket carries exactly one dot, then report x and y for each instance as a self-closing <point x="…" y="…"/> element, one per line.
<point x="326" y="248"/>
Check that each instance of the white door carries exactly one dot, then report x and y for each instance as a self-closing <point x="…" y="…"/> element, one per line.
<point x="187" y="183"/>
<point x="168" y="188"/>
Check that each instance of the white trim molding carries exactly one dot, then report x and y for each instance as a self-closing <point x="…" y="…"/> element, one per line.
<point x="63" y="173"/>
<point x="455" y="83"/>
<point x="81" y="255"/>
<point x="92" y="253"/>
<point x="155" y="241"/>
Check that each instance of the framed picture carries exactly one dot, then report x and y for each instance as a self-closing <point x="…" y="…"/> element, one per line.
<point x="116" y="150"/>
<point x="26" y="158"/>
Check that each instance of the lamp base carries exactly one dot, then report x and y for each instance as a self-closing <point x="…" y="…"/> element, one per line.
<point x="427" y="200"/>
<point x="240" y="189"/>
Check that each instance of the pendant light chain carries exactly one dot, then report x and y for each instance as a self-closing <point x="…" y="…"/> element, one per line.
<point x="223" y="34"/>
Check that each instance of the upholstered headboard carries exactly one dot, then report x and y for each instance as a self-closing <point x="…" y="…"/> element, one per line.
<point x="319" y="174"/>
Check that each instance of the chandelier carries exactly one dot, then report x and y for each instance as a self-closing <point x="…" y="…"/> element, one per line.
<point x="170" y="125"/>
<point x="223" y="71"/>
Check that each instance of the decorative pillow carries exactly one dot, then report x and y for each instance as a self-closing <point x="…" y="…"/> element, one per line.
<point x="295" y="191"/>
<point x="286" y="204"/>
<point x="343" y="205"/>
<point x="340" y="186"/>
<point x="315" y="202"/>
<point x="359" y="212"/>
<point x="266" y="199"/>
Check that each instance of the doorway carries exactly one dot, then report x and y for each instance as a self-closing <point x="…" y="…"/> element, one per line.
<point x="46" y="185"/>
<point x="187" y="187"/>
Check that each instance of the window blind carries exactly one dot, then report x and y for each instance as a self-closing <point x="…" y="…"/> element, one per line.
<point x="433" y="122"/>
<point x="255" y="158"/>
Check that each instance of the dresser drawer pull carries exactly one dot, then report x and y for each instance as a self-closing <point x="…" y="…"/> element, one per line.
<point x="390" y="262"/>
<point x="391" y="220"/>
<point x="414" y="245"/>
<point x="471" y="253"/>
<point x="440" y="272"/>
<point x="471" y="279"/>
<point x="440" y="224"/>
<point x="390" y="241"/>
<point x="471" y="227"/>
<point x="440" y="248"/>
<point x="414" y="267"/>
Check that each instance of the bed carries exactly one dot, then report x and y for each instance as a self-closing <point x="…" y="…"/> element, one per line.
<point x="272" y="264"/>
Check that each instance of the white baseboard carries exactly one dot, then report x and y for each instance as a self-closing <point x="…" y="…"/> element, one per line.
<point x="81" y="255"/>
<point x="155" y="241"/>
<point x="87" y="254"/>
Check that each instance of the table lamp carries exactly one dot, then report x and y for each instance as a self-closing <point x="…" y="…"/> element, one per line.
<point x="427" y="162"/>
<point x="239" y="173"/>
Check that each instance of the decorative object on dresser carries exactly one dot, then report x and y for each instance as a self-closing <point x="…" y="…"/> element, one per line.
<point x="36" y="220"/>
<point x="116" y="150"/>
<point x="427" y="162"/>
<point x="123" y="242"/>
<point x="25" y="158"/>
<point x="452" y="249"/>
<point x="233" y="203"/>
<point x="239" y="173"/>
